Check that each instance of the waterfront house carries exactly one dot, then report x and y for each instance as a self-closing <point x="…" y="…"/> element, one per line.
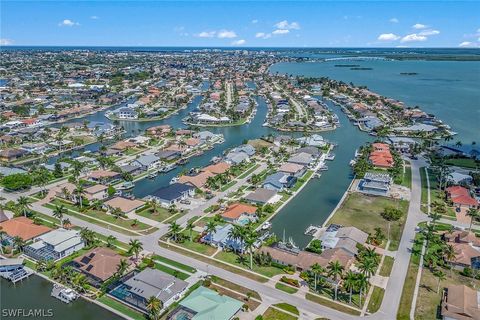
<point x="147" y="162"/>
<point x="136" y="288"/>
<point x="401" y="144"/>
<point x="262" y="196"/>
<point x="301" y="158"/>
<point x="198" y="181"/>
<point x="168" y="155"/>
<point x="103" y="176"/>
<point x="22" y="227"/>
<point x="375" y="183"/>
<point x="240" y="213"/>
<point x="303" y="260"/>
<point x="125" y="113"/>
<point x="98" y="264"/>
<point x="381" y="156"/>
<point x="12" y="154"/>
<point x="293" y="169"/>
<point x="346" y="238"/>
<point x="220" y="238"/>
<point x="133" y="170"/>
<point x="173" y="193"/>
<point x="460" y="197"/>
<point x="203" y="304"/>
<point x="55" y="245"/>
<point x="460" y="302"/>
<point x="127" y="206"/>
<point x="96" y="192"/>
<point x="278" y="181"/>
<point x="218" y="168"/>
<point x="315" y="140"/>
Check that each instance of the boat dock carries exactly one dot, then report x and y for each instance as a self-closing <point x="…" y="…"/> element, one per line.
<point x="14" y="270"/>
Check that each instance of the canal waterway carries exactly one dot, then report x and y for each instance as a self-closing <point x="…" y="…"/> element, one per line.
<point x="34" y="293"/>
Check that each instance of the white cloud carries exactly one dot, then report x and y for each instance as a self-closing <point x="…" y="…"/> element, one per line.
<point x="419" y="26"/>
<point x="285" y="25"/>
<point x="394" y="20"/>
<point x="238" y="42"/>
<point x="222" y="34"/>
<point x="388" y="37"/>
<point x="206" y="34"/>
<point x="429" y="32"/>
<point x="68" y="23"/>
<point x="254" y="21"/>
<point x="6" y="42"/>
<point x="94" y="17"/>
<point x="467" y="44"/>
<point x="263" y="35"/>
<point x="413" y="38"/>
<point x="281" y="31"/>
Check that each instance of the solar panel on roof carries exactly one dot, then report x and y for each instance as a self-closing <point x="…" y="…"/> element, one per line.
<point x="90" y="267"/>
<point x="85" y="260"/>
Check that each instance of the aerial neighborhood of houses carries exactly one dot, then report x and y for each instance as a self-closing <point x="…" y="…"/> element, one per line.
<point x="155" y="184"/>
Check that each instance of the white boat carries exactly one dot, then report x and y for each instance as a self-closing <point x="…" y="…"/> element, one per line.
<point x="267" y="225"/>
<point x="126" y="185"/>
<point x="152" y="175"/>
<point x="330" y="156"/>
<point x="323" y="168"/>
<point x="63" y="294"/>
<point x="174" y="180"/>
<point x="352" y="162"/>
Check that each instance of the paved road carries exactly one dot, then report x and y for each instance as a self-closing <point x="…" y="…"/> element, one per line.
<point x="393" y="292"/>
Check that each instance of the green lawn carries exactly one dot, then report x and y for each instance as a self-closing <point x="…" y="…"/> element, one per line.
<point x="228" y="185"/>
<point x="285" y="288"/>
<point x="331" y="304"/>
<point x="364" y="212"/>
<point x="436" y="196"/>
<point x="249" y="171"/>
<point x="274" y="314"/>
<point x="232" y="258"/>
<point x="121" y="308"/>
<point x="287" y="307"/>
<point x="302" y="180"/>
<point x="376" y="299"/>
<point x="464" y="162"/>
<point x="175" y="264"/>
<point x="407" y="177"/>
<point x="172" y="272"/>
<point x="198" y="247"/>
<point x="235" y="287"/>
<point x="387" y="266"/>
<point x="161" y="214"/>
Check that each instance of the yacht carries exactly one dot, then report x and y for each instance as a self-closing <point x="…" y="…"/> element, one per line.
<point x="174" y="180"/>
<point x="126" y="185"/>
<point x="267" y="225"/>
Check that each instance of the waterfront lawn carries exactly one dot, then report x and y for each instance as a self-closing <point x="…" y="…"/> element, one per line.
<point x="161" y="214"/>
<point x="274" y="314"/>
<point x="302" y="180"/>
<point x="232" y="258"/>
<point x="364" y="212"/>
<point x="122" y="308"/>
<point x="285" y="288"/>
<point x="375" y="299"/>
<point x="386" y="266"/>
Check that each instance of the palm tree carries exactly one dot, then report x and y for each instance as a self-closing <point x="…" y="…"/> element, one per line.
<point x="111" y="240"/>
<point x="189" y="228"/>
<point x="210" y="228"/>
<point x="135" y="247"/>
<point x="350" y="282"/>
<point x="59" y="212"/>
<point x="88" y="236"/>
<point x="154" y="305"/>
<point x="435" y="217"/>
<point x="316" y="269"/>
<point x="122" y="266"/>
<point x="362" y="283"/>
<point x="473" y="214"/>
<point x="2" y="236"/>
<point x="23" y="205"/>
<point x="249" y="243"/>
<point x="18" y="242"/>
<point x="367" y="266"/>
<point x="153" y="203"/>
<point x="449" y="254"/>
<point x="335" y="269"/>
<point x="116" y="212"/>
<point x="440" y="276"/>
<point x="174" y="230"/>
<point x="79" y="192"/>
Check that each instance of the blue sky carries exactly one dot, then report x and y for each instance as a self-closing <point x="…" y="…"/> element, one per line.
<point x="241" y="23"/>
